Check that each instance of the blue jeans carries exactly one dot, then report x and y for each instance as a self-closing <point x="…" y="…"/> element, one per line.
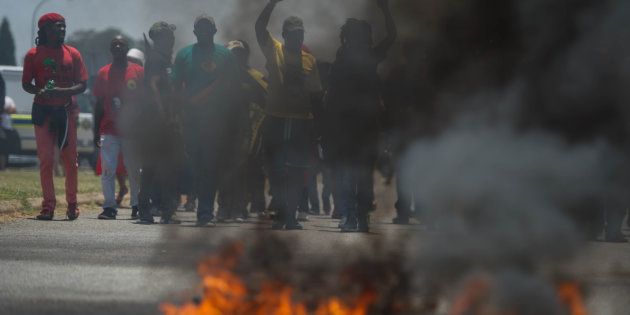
<point x="111" y="146"/>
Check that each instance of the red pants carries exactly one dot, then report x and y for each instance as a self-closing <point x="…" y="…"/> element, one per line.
<point x="46" y="144"/>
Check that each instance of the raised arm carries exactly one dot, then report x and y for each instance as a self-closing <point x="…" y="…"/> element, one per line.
<point x="389" y="40"/>
<point x="262" y="35"/>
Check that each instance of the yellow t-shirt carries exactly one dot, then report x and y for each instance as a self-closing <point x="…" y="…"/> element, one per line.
<point x="291" y="82"/>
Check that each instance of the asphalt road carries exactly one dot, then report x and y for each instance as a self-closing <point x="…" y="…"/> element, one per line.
<point x="91" y="266"/>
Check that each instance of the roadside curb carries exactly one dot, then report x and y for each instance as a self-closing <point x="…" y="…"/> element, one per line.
<point x="13" y="206"/>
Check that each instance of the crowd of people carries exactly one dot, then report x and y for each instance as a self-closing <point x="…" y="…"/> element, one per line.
<point x="202" y="123"/>
<point x="205" y="124"/>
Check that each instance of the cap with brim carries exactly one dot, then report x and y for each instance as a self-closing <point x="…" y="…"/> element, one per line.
<point x="235" y="44"/>
<point x="293" y="23"/>
<point x="206" y="18"/>
<point x="160" y="28"/>
<point x="50" y="18"/>
<point x="136" y="54"/>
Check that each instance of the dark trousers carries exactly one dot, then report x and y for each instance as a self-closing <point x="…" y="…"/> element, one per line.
<point x="406" y="198"/>
<point x="158" y="188"/>
<point x="355" y="186"/>
<point x="205" y="150"/>
<point x="289" y="154"/>
<point x="232" y="195"/>
<point x="255" y="186"/>
<point x="327" y="189"/>
<point x="310" y="194"/>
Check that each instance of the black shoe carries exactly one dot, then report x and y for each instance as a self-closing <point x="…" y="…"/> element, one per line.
<point x="145" y="220"/>
<point x="294" y="226"/>
<point x="73" y="212"/>
<point x="108" y="214"/>
<point x="400" y="220"/>
<point x="350" y="225"/>
<point x="619" y="238"/>
<point x="134" y="212"/>
<point x="170" y="220"/>
<point x="277" y="225"/>
<point x="336" y="214"/>
<point x="46" y="215"/>
<point x="205" y="222"/>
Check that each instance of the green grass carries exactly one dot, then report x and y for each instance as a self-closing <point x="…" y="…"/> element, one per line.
<point x="22" y="184"/>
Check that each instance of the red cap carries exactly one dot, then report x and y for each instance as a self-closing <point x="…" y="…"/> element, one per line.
<point x="50" y="18"/>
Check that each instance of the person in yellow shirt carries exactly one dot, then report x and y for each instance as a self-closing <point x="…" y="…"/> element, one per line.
<point x="244" y="181"/>
<point x="294" y="96"/>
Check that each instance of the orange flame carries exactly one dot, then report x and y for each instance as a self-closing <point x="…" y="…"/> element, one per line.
<point x="474" y="292"/>
<point x="570" y="295"/>
<point x="225" y="293"/>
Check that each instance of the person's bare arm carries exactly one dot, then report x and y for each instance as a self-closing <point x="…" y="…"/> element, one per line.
<point x="390" y="25"/>
<point x="98" y="117"/>
<point x="55" y="92"/>
<point x="31" y="88"/>
<point x="262" y="35"/>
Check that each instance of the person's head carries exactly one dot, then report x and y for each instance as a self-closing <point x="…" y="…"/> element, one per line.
<point x="240" y="49"/>
<point x="293" y="33"/>
<point x="136" y="56"/>
<point x="356" y="33"/>
<point x="51" y="29"/>
<point x="163" y="37"/>
<point x="205" y="29"/>
<point x="119" y="47"/>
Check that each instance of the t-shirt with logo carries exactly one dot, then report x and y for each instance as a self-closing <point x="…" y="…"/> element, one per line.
<point x="62" y="65"/>
<point x="120" y="89"/>
<point x="205" y="76"/>
<point x="291" y="81"/>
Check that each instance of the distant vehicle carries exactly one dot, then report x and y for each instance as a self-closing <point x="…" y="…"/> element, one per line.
<point x="24" y="127"/>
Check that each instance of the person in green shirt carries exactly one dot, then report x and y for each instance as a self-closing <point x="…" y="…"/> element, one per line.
<point x="203" y="75"/>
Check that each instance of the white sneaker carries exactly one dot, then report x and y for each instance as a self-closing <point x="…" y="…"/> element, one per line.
<point x="302" y="217"/>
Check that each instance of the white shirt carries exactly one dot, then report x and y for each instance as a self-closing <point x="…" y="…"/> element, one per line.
<point x="9" y="106"/>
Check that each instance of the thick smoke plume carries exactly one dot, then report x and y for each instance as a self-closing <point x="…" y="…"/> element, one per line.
<point x="532" y="131"/>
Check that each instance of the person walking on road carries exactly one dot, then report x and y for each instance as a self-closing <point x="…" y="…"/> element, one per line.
<point x="118" y="91"/>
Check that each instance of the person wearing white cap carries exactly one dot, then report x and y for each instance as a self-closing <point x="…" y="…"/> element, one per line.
<point x="136" y="56"/>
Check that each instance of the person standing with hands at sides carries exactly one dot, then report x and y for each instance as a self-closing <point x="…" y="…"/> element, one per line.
<point x="118" y="91"/>
<point x="55" y="72"/>
<point x="354" y="108"/>
<point x="293" y="101"/>
<point x="205" y="75"/>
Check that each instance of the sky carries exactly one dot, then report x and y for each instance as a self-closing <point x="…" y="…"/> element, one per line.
<point x="322" y="18"/>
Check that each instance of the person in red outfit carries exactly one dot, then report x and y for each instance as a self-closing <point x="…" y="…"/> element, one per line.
<point x="118" y="92"/>
<point x="54" y="73"/>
